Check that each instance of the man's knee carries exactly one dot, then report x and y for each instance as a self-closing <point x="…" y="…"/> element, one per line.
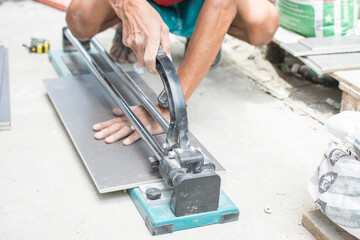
<point x="226" y="8"/>
<point x="262" y="25"/>
<point x="80" y="21"/>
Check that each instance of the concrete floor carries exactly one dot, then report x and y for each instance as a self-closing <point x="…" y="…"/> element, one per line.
<point x="269" y="152"/>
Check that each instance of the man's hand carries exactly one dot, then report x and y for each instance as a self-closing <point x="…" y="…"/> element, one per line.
<point x="118" y="128"/>
<point x="143" y="30"/>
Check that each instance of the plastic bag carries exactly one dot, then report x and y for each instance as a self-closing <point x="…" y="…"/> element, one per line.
<point x="317" y="18"/>
<point x="343" y="124"/>
<point x="346" y="126"/>
<point x="335" y="187"/>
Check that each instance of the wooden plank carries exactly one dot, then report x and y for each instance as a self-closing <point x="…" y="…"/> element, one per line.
<point x="350" y="85"/>
<point x="322" y="228"/>
<point x="349" y="103"/>
<point x="351" y="78"/>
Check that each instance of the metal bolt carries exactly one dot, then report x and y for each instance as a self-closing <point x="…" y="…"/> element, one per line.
<point x="153" y="193"/>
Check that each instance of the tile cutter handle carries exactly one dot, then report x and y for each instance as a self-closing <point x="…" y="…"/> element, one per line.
<point x="178" y="132"/>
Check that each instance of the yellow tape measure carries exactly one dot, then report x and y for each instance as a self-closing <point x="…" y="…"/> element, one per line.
<point x="38" y="45"/>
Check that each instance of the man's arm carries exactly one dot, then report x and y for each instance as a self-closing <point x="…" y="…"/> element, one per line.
<point x="211" y="26"/>
<point x="254" y="21"/>
<point x="143" y="30"/>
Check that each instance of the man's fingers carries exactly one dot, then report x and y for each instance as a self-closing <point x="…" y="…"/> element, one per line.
<point x="131" y="139"/>
<point x="118" y="112"/>
<point x="125" y="34"/>
<point x="123" y="132"/>
<point x="150" y="55"/>
<point x="102" y="125"/>
<point x="109" y="130"/>
<point x="165" y="41"/>
<point x="139" y="47"/>
<point x="118" y="128"/>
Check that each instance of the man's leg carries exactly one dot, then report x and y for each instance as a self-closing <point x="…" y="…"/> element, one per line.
<point x="256" y="21"/>
<point x="86" y="18"/>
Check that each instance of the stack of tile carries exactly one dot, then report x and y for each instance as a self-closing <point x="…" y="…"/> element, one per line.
<point x="4" y="90"/>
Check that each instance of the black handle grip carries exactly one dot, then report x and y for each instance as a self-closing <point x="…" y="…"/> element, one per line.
<point x="178" y="132"/>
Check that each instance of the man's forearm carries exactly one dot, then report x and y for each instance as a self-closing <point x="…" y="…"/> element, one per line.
<point x="213" y="22"/>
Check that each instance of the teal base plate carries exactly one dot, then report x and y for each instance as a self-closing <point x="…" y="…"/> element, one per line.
<point x="159" y="219"/>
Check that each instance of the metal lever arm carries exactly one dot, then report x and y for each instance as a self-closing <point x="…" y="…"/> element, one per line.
<point x="178" y="132"/>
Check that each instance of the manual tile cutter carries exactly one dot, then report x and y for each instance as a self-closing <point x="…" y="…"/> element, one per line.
<point x="190" y="195"/>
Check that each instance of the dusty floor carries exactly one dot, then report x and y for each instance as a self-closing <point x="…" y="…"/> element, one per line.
<point x="296" y="91"/>
<point x="269" y="152"/>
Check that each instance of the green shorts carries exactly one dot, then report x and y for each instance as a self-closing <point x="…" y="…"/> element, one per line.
<point x="180" y="17"/>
